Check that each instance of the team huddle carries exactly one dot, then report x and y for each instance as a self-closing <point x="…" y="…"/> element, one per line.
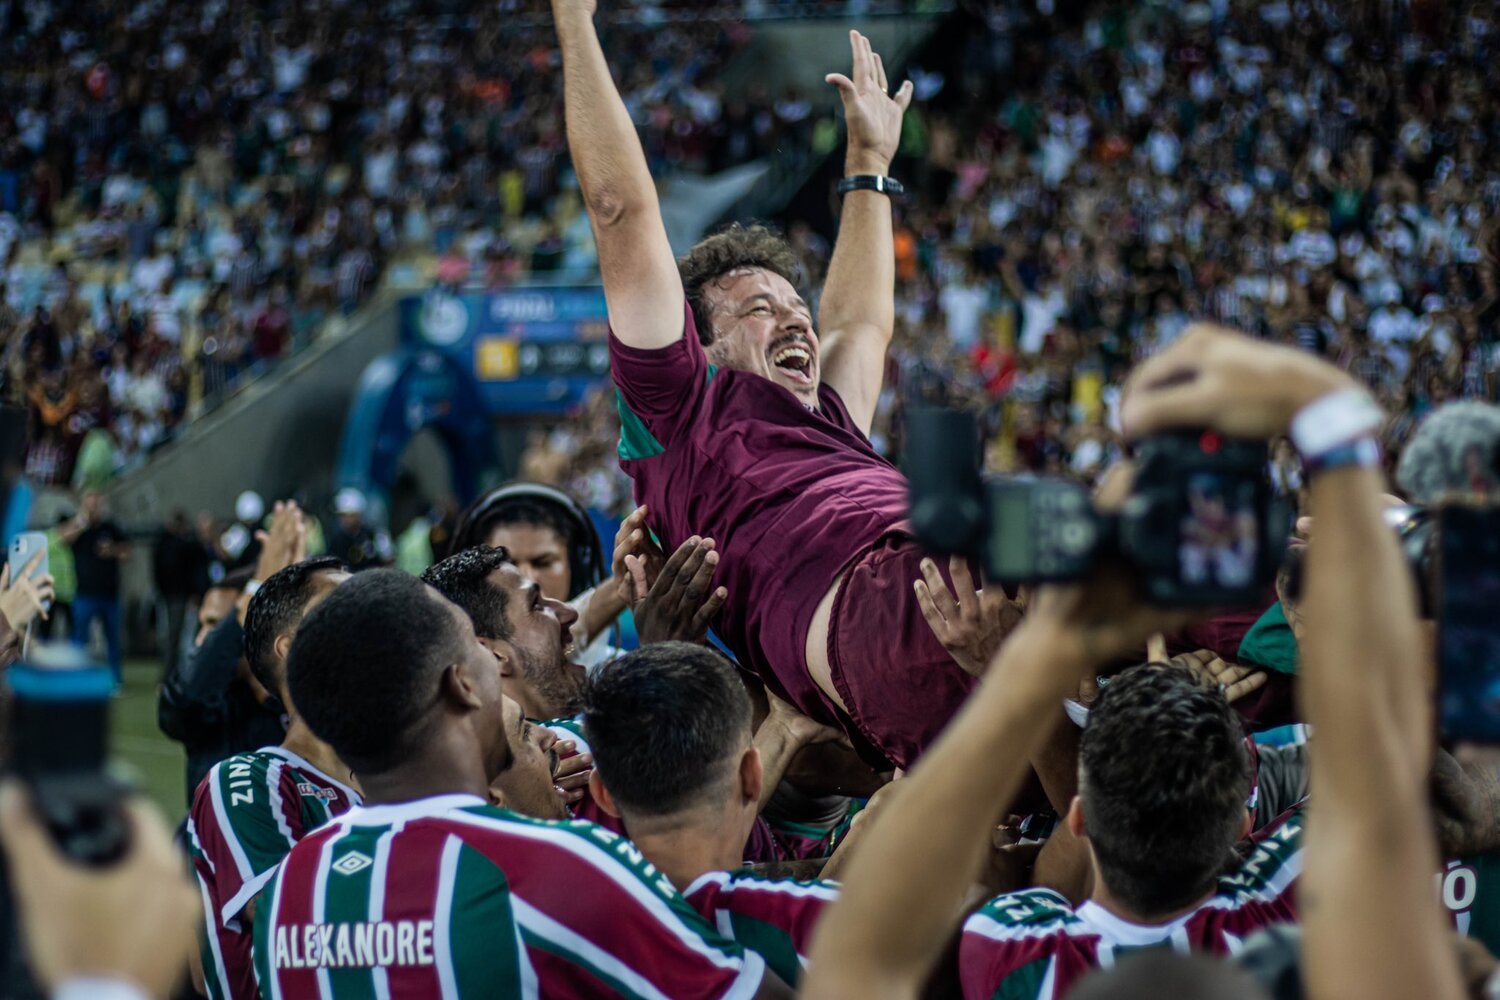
<point x="477" y="795"/>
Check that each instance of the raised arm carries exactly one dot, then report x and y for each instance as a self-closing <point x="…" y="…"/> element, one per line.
<point x="857" y="311"/>
<point x="905" y="885"/>
<point x="1372" y="924"/>
<point x="641" y="284"/>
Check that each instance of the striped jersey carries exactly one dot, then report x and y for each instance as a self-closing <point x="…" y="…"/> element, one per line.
<point x="1033" y="944"/>
<point x="451" y="897"/>
<point x="773" y="917"/>
<point x="247" y="813"/>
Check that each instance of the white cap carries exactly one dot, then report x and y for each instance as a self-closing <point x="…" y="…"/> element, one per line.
<point x="348" y="501"/>
<point x="249" y="507"/>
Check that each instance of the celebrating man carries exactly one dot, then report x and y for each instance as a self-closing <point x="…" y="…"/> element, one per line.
<point x="741" y="423"/>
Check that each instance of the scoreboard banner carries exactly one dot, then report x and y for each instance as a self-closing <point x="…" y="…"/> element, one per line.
<point x="531" y="350"/>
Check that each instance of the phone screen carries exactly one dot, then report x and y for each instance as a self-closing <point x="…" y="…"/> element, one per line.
<point x="1468" y="627"/>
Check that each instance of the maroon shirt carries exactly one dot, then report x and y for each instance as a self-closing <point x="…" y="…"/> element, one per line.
<point x="790" y="495"/>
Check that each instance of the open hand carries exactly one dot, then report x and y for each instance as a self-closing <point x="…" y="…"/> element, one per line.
<point x="680" y="603"/>
<point x="633" y="539"/>
<point x="1232" y="679"/>
<point x="27" y="598"/>
<point x="970" y="625"/>
<point x="874" y="116"/>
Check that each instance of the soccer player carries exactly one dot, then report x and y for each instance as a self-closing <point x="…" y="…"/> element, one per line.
<point x="527" y="631"/>
<point x="252" y="807"/>
<point x="430" y="891"/>
<point x="742" y="423"/>
<point x="644" y="715"/>
<point x="1163" y="781"/>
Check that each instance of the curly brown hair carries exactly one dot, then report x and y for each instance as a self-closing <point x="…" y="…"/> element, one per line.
<point x="732" y="249"/>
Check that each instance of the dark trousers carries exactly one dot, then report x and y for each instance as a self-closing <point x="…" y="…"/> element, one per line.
<point x="176" y="607"/>
<point x="87" y="607"/>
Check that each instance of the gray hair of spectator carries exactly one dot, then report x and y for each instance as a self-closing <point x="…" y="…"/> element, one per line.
<point x="735" y="248"/>
<point x="1436" y="458"/>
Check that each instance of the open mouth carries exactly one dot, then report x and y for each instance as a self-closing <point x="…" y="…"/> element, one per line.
<point x="794" y="361"/>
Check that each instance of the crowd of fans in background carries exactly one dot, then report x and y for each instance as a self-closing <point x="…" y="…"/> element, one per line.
<point x="1080" y="190"/>
<point x="187" y="191"/>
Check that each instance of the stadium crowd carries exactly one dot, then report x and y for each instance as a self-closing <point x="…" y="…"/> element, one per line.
<point x="188" y="191"/>
<point x="833" y="767"/>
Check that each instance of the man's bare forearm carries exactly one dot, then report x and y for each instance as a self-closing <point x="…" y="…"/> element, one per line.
<point x="877" y="950"/>
<point x="606" y="152"/>
<point x="1372" y="923"/>
<point x="857" y="311"/>
<point x="641" y="283"/>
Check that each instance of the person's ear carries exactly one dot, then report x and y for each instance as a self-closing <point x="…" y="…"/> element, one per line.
<point x="282" y="646"/>
<point x="1247" y="822"/>
<point x="601" y="794"/>
<point x="461" y="687"/>
<point x="752" y="775"/>
<point x="504" y="653"/>
<point x="1074" y="819"/>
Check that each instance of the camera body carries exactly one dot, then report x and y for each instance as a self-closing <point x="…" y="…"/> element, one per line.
<point x="59" y="734"/>
<point x="1201" y="526"/>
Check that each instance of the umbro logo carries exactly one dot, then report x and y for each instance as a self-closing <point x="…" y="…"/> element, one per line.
<point x="352" y="862"/>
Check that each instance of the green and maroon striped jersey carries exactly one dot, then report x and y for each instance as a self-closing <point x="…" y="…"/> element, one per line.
<point x="774" y="917"/>
<point x="247" y="813"/>
<point x="1033" y="945"/>
<point x="451" y="897"/>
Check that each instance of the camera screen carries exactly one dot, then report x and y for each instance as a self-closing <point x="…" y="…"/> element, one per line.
<point x="1469" y="635"/>
<point x="1218" y="537"/>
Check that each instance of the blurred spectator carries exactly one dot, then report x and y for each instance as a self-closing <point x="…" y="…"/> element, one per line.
<point x="178" y="562"/>
<point x="98" y="547"/>
<point x="353" y="541"/>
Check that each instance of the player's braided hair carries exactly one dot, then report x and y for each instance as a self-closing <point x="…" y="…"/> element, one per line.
<point x="732" y="249"/>
<point x="1164" y="778"/>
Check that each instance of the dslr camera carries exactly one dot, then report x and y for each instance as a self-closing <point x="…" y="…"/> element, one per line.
<point x="1202" y="526"/>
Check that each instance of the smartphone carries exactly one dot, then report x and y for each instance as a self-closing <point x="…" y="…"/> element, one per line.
<point x="1468" y="593"/>
<point x="22" y="548"/>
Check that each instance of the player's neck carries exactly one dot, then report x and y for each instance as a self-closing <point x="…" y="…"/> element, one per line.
<point x="446" y="764"/>
<point x="1104" y="898"/>
<point x="684" y="853"/>
<point x="301" y="741"/>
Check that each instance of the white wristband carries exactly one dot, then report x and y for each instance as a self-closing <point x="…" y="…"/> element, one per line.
<point x="97" y="988"/>
<point x="1333" y="420"/>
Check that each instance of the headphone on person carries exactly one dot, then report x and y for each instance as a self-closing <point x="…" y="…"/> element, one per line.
<point x="585" y="550"/>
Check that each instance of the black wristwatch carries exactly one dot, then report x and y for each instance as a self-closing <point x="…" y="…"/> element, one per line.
<point x="888" y="186"/>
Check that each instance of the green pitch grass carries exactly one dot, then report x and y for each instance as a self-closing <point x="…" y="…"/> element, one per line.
<point x="139" y="751"/>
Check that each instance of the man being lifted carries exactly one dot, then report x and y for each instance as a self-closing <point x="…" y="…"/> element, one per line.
<point x="742" y="424"/>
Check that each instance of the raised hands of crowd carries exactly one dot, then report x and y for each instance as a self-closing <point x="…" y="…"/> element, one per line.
<point x="681" y="602"/>
<point x="970" y="623"/>
<point x="25" y="599"/>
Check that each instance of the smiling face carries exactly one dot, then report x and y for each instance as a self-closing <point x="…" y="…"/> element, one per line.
<point x="761" y="325"/>
<point x="545" y="683"/>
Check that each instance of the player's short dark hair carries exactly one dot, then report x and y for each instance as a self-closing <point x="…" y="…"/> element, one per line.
<point x="663" y="723"/>
<point x="733" y="248"/>
<point x="278" y="606"/>
<point x="1164" y="775"/>
<point x="365" y="663"/>
<point x="463" y="578"/>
